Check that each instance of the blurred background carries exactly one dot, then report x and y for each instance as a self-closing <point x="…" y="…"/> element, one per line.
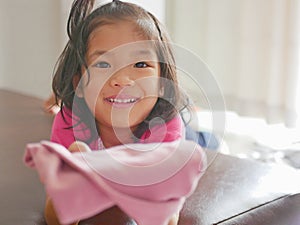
<point x="252" y="47"/>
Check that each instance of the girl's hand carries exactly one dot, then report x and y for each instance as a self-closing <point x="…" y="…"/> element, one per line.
<point x="78" y="146"/>
<point x="174" y="219"/>
<point x="50" y="214"/>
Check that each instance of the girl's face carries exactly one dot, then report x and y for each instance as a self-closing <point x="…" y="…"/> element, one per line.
<point x="124" y="76"/>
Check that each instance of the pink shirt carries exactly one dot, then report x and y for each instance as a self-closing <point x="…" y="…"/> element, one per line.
<point x="64" y="135"/>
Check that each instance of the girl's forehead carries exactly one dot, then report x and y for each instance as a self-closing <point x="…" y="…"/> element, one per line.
<point x="113" y="35"/>
<point x="116" y="33"/>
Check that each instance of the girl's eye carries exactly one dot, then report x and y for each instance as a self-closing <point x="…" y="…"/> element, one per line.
<point x="102" y="65"/>
<point x="140" y="65"/>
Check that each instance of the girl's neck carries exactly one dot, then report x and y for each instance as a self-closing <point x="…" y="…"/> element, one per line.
<point x="115" y="136"/>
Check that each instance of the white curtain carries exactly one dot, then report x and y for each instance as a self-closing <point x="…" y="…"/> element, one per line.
<point x="252" y="48"/>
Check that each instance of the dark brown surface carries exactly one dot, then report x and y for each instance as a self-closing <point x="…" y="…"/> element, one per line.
<point x="233" y="191"/>
<point x="282" y="211"/>
<point x="21" y="194"/>
<point x="232" y="187"/>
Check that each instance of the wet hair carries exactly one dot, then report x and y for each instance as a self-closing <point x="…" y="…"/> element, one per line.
<point x="83" y="20"/>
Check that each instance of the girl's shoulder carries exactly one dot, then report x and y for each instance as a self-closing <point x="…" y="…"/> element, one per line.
<point x="61" y="128"/>
<point x="63" y="117"/>
<point x="67" y="128"/>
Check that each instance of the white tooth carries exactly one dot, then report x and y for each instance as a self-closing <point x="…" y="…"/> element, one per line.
<point x="115" y="100"/>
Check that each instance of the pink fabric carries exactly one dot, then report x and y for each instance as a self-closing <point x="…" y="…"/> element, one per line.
<point x="170" y="131"/>
<point x="166" y="132"/>
<point x="149" y="182"/>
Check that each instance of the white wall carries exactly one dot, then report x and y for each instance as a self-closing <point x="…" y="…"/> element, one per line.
<point x="156" y="7"/>
<point x="30" y="44"/>
<point x="2" y="20"/>
<point x="33" y="33"/>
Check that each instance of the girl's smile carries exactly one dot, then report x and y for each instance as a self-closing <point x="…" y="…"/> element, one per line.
<point x="122" y="101"/>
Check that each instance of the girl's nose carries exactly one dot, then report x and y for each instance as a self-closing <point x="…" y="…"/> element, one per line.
<point x="121" y="79"/>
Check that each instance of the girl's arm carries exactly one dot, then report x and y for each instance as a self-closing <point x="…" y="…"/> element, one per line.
<point x="50" y="214"/>
<point x="174" y="219"/>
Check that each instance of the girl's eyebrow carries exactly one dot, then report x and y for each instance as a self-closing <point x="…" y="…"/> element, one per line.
<point x="142" y="53"/>
<point x="97" y="53"/>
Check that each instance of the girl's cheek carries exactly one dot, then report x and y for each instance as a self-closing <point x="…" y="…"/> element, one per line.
<point x="150" y="85"/>
<point x="92" y="91"/>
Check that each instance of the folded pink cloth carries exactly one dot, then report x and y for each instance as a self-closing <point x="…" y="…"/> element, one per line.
<point x="149" y="182"/>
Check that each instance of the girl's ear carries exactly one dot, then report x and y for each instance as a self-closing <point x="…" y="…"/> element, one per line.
<point x="77" y="86"/>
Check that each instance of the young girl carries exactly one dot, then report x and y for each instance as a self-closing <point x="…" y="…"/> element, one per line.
<point x="116" y="80"/>
<point x="88" y="85"/>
